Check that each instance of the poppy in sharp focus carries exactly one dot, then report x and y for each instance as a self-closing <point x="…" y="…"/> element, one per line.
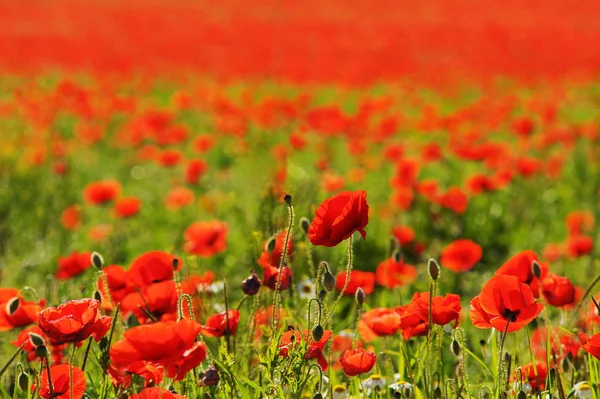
<point x="380" y="322"/>
<point x="159" y="299"/>
<point x="521" y="266"/>
<point x="152" y="267"/>
<point x="505" y="303"/>
<point x="338" y="217"/>
<point x="461" y="255"/>
<point x="357" y="361"/>
<point x="444" y="309"/>
<point x="558" y="290"/>
<point x="62" y="382"/>
<point x="74" y="321"/>
<point x="206" y="239"/>
<point x="171" y="344"/>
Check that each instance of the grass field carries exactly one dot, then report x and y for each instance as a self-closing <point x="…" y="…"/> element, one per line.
<point x="299" y="200"/>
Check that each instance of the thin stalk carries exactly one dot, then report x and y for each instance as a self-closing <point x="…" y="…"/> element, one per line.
<point x="87" y="351"/>
<point x="277" y="293"/>
<point x="12" y="358"/>
<point x="347" y="282"/>
<point x="500" y="360"/>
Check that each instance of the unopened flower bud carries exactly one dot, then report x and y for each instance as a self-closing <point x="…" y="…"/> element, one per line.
<point x="175" y="263"/>
<point x="433" y="269"/>
<point x="23" y="381"/>
<point x="360" y="296"/>
<point x="455" y="347"/>
<point x="521" y="395"/>
<point x="305" y="224"/>
<point x="317" y="332"/>
<point x="97" y="260"/>
<point x="12" y="305"/>
<point x="251" y="285"/>
<point x="322" y="294"/>
<point x="41" y="351"/>
<point x="36" y="340"/>
<point x="210" y="377"/>
<point x="437" y="392"/>
<point x="97" y="296"/>
<point x="536" y="269"/>
<point x="288" y="199"/>
<point x="318" y="396"/>
<point x="328" y="281"/>
<point x="270" y="244"/>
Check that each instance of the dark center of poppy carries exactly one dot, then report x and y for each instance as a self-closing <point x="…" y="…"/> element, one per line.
<point x="511" y="315"/>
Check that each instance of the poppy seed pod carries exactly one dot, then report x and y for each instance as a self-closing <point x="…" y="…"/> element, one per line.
<point x="360" y="296"/>
<point x="328" y="281"/>
<point x="433" y="269"/>
<point x="97" y="260"/>
<point x="305" y="224"/>
<point x="317" y="333"/>
<point x="251" y="285"/>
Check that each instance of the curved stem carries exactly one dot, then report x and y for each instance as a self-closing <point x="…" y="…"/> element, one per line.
<point x="277" y="294"/>
<point x="347" y="282"/>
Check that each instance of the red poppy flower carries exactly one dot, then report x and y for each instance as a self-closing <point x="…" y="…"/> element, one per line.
<point x="591" y="345"/>
<point x="152" y="267"/>
<point x="25" y="312"/>
<point x="23" y="339"/>
<point x="358" y="279"/>
<point x="579" y="245"/>
<point x="73" y="265"/>
<point x="552" y="252"/>
<point x="357" y="361"/>
<point x="579" y="222"/>
<point x="74" y="321"/>
<point x="70" y="218"/>
<point x="170" y="158"/>
<point x="171" y="344"/>
<point x="391" y="273"/>
<point x="160" y="299"/>
<point x="195" y="169"/>
<point x="461" y="255"/>
<point x="523" y="126"/>
<point x="480" y="183"/>
<point x="221" y="324"/>
<point x="61" y="383"/>
<point x="118" y="284"/>
<point x="206" y="239"/>
<point x="563" y="342"/>
<point x="338" y="217"/>
<point x="413" y="322"/>
<point x="404" y="234"/>
<point x="504" y="301"/>
<point x="203" y="143"/>
<point x="271" y="274"/>
<point x="455" y="200"/>
<point x="558" y="290"/>
<point x="178" y="198"/>
<point x="127" y="207"/>
<point x="273" y="258"/>
<point x="101" y="192"/>
<point x="444" y="309"/>
<point x="520" y="265"/>
<point x="294" y="339"/>
<point x="156" y="393"/>
<point x="528" y="375"/>
<point x="379" y="322"/>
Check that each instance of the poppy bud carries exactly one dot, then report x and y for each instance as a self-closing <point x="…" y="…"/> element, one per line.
<point x="41" y="351"/>
<point x="318" y="396"/>
<point x="437" y="392"/>
<point x="317" y="333"/>
<point x="455" y="347"/>
<point x="328" y="281"/>
<point x="36" y="340"/>
<point x="288" y="199"/>
<point x="536" y="269"/>
<point x="210" y="377"/>
<point x="305" y="224"/>
<point x="251" y="285"/>
<point x="270" y="245"/>
<point x="433" y="269"/>
<point x="565" y="365"/>
<point x="12" y="306"/>
<point x="97" y="260"/>
<point x="522" y="395"/>
<point x="360" y="296"/>
<point x="322" y="294"/>
<point x="397" y="256"/>
<point x="97" y="296"/>
<point x="175" y="263"/>
<point x="23" y="381"/>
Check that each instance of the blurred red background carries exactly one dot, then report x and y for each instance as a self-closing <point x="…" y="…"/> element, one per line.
<point x="340" y="40"/>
